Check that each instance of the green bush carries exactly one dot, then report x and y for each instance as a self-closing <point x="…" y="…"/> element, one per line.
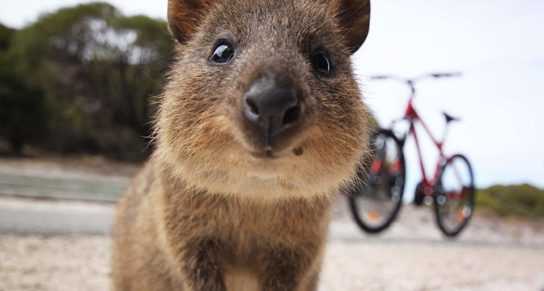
<point x="22" y="112"/>
<point x="22" y="108"/>
<point x="6" y="34"/>
<point x="83" y="76"/>
<point x="515" y="200"/>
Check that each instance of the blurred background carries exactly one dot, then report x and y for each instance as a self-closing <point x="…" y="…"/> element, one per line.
<point x="77" y="81"/>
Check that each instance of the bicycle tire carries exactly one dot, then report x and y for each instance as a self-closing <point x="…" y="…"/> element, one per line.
<point x="353" y="192"/>
<point x="470" y="191"/>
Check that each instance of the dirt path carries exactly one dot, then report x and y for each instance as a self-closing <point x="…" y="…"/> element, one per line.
<point x="92" y="179"/>
<point x="492" y="255"/>
<point x="81" y="263"/>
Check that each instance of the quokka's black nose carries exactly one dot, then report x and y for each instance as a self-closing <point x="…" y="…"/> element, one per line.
<point x="272" y="105"/>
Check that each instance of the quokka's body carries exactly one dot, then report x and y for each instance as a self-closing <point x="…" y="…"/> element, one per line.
<point x="259" y="126"/>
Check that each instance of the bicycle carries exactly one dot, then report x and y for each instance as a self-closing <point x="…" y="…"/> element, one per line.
<point x="377" y="197"/>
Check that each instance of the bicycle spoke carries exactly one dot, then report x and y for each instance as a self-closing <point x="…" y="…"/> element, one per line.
<point x="454" y="201"/>
<point x="380" y="198"/>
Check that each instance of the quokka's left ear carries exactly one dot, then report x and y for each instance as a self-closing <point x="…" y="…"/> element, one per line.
<point x="354" y="19"/>
<point x="184" y="16"/>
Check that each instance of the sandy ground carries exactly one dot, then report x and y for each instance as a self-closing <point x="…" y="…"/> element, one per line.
<point x="82" y="263"/>
<point x="59" y="245"/>
<point x="490" y="256"/>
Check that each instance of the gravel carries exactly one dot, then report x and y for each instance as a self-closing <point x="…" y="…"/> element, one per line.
<point x="59" y="245"/>
<point x="398" y="260"/>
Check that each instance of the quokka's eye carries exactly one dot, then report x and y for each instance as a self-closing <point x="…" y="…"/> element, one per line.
<point x="223" y="52"/>
<point x="322" y="62"/>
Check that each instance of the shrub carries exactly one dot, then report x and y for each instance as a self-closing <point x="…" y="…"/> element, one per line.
<point x="522" y="200"/>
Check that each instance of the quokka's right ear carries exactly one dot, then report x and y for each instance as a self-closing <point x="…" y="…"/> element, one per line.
<point x="184" y="16"/>
<point x="354" y="18"/>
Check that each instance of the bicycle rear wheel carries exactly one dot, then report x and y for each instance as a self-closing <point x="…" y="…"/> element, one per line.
<point x="376" y="199"/>
<point x="454" y="199"/>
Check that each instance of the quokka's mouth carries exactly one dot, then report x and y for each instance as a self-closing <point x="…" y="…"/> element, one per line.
<point x="269" y="154"/>
<point x="265" y="155"/>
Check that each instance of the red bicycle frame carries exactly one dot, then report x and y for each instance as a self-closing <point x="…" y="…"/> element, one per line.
<point x="382" y="193"/>
<point x="413" y="118"/>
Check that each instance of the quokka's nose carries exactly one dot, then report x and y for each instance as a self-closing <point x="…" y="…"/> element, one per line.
<point x="272" y="106"/>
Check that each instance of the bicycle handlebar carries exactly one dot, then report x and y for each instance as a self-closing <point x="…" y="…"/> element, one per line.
<point x="446" y="75"/>
<point x="411" y="82"/>
<point x="380" y="77"/>
<point x="426" y="76"/>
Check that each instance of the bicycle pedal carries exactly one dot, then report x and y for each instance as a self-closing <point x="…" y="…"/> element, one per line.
<point x="419" y="200"/>
<point x="419" y="196"/>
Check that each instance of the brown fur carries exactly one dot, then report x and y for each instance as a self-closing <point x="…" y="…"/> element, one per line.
<point x="207" y="215"/>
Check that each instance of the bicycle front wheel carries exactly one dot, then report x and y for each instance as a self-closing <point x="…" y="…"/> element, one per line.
<point x="375" y="200"/>
<point x="454" y="199"/>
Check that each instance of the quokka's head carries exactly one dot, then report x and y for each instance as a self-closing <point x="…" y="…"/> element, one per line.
<point x="261" y="101"/>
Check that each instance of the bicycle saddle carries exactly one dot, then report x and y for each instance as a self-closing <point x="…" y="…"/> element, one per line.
<point x="449" y="118"/>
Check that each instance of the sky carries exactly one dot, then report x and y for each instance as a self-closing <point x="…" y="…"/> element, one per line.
<point x="498" y="45"/>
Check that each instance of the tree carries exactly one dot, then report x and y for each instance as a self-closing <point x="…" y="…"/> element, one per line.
<point x="22" y="114"/>
<point x="97" y="69"/>
<point x="6" y="35"/>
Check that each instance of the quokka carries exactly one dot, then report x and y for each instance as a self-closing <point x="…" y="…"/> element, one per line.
<point x="260" y="124"/>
